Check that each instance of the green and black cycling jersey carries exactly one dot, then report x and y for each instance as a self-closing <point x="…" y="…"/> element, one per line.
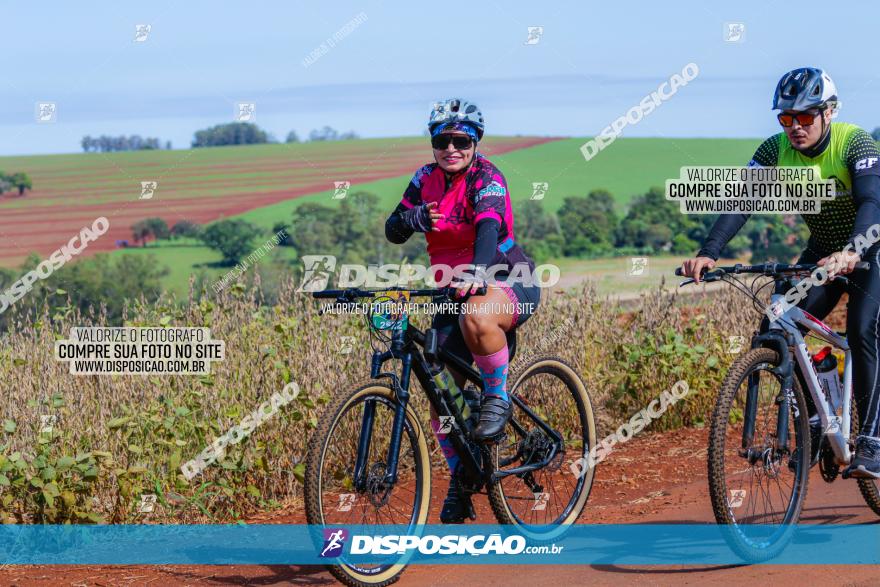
<point x="848" y="155"/>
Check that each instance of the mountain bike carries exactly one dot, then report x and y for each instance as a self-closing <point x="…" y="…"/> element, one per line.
<point x="368" y="460"/>
<point x="760" y="437"/>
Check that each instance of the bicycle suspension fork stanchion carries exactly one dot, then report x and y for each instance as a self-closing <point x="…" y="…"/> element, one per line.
<point x="777" y="341"/>
<point x="401" y="390"/>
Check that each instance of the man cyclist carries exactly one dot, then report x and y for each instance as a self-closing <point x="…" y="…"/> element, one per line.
<point x="807" y="98"/>
<point x="462" y="205"/>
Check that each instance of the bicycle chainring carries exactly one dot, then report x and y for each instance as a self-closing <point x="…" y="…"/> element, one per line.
<point x="828" y="466"/>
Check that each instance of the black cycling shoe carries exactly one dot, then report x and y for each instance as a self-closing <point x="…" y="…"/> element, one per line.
<point x="866" y="462"/>
<point x="494" y="414"/>
<point x="457" y="506"/>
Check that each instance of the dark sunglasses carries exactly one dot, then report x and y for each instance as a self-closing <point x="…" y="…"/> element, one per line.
<point x="803" y="118"/>
<point x="441" y="142"/>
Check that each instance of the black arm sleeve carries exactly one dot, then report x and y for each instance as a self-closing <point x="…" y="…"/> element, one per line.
<point x="486" y="242"/>
<point x="866" y="196"/>
<point x="396" y="229"/>
<point x="727" y="225"/>
<point x="724" y="229"/>
<point x="863" y="161"/>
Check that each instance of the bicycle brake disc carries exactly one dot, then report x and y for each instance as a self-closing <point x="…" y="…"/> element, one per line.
<point x="377" y="490"/>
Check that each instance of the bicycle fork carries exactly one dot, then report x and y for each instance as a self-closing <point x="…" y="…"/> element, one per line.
<point x="785" y="370"/>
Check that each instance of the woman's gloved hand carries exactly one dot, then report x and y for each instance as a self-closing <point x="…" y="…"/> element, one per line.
<point x="423" y="218"/>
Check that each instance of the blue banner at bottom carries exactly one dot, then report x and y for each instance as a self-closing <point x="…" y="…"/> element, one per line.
<point x="602" y="544"/>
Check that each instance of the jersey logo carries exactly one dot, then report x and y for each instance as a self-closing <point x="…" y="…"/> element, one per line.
<point x="866" y="163"/>
<point x="420" y="174"/>
<point x="459" y="215"/>
<point x="753" y="163"/>
<point x="494" y="189"/>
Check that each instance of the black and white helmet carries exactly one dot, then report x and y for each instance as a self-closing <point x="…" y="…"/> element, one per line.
<point x="456" y="110"/>
<point x="805" y="88"/>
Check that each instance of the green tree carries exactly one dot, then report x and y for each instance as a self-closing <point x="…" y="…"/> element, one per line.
<point x="538" y="231"/>
<point x="588" y="224"/>
<point x="149" y="227"/>
<point x="233" y="133"/>
<point x="158" y="228"/>
<point x="292" y="137"/>
<point x="231" y="238"/>
<point x="185" y="229"/>
<point x="655" y="224"/>
<point x="140" y="231"/>
<point x="22" y="181"/>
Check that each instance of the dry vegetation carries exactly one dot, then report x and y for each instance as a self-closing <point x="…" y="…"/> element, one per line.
<point x="116" y="438"/>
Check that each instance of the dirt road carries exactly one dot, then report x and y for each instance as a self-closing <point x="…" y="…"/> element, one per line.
<point x="657" y="478"/>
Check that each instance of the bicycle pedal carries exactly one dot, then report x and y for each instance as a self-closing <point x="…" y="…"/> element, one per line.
<point x="500" y="437"/>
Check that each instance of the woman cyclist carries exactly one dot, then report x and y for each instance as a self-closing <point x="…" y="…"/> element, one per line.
<point x="462" y="205"/>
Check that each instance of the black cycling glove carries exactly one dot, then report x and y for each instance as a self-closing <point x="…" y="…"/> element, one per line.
<point x="417" y="218"/>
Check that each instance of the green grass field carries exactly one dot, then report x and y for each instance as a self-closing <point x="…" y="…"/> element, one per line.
<point x="626" y="168"/>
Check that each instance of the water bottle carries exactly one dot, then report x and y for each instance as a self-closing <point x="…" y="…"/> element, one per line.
<point x="826" y="370"/>
<point x="445" y="381"/>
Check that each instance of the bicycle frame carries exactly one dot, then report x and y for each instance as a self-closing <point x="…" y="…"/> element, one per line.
<point x="405" y="347"/>
<point x="836" y="428"/>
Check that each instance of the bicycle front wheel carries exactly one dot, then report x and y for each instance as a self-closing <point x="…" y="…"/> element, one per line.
<point x="334" y="497"/>
<point x="555" y="425"/>
<point x="757" y="484"/>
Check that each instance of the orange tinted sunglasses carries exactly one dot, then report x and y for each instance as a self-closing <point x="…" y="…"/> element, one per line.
<point x="803" y="118"/>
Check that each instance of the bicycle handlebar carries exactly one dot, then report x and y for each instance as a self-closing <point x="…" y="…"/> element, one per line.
<point x="768" y="269"/>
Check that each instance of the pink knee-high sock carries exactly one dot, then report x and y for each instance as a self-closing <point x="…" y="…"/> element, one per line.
<point x="493" y="369"/>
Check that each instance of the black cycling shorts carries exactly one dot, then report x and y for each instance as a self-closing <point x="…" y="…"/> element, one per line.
<point x="524" y="299"/>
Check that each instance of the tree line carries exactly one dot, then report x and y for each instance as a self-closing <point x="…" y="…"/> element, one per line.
<point x="247" y="133"/>
<point x="108" y="144"/>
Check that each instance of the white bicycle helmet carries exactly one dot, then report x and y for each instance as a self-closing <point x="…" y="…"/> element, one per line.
<point x="456" y="110"/>
<point x="805" y="88"/>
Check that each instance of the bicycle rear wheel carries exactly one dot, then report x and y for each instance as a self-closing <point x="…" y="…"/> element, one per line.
<point x="333" y="497"/>
<point x="869" y="488"/>
<point x="544" y="503"/>
<point x="757" y="486"/>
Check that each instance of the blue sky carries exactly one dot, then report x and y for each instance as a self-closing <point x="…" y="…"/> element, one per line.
<point x="594" y="61"/>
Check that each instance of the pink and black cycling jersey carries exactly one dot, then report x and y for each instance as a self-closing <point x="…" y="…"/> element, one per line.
<point x="468" y="198"/>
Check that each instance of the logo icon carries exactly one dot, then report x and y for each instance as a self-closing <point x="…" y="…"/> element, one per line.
<point x="334" y="541"/>
<point x="734" y="32"/>
<point x="47" y="423"/>
<point x="737" y="496"/>
<point x="346" y="344"/>
<point x="638" y="265"/>
<point x="535" y="34"/>
<point x="317" y="272"/>
<point x="447" y="424"/>
<point x="539" y="190"/>
<point x="46" y="112"/>
<point x="735" y="344"/>
<point x="147" y="189"/>
<point x="148" y="503"/>
<point x="245" y="111"/>
<point x="340" y="189"/>
<point x="141" y="32"/>
<point x="541" y="501"/>
<point x="346" y="501"/>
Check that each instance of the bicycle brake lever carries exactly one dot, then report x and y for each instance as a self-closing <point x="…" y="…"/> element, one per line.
<point x="687" y="281"/>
